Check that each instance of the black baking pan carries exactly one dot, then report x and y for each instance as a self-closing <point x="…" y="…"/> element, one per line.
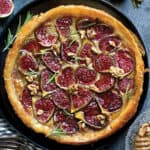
<point x="41" y="6"/>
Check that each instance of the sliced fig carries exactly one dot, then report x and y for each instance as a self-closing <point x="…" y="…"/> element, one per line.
<point x="125" y="85"/>
<point x="125" y="61"/>
<point x="6" y="8"/>
<point x="99" y="31"/>
<point x="32" y="46"/>
<point x="27" y="62"/>
<point x="47" y="83"/>
<point x="102" y="63"/>
<point x="61" y="99"/>
<point x="69" y="49"/>
<point x="67" y="123"/>
<point x="80" y="99"/>
<point x="109" y="44"/>
<point x="66" y="78"/>
<point x="86" y="52"/>
<point x="43" y="109"/>
<point x="26" y="99"/>
<point x="92" y="109"/>
<point x="63" y="25"/>
<point x="105" y="82"/>
<point x="46" y="34"/>
<point x="52" y="61"/>
<point x="92" y="116"/>
<point x="111" y="100"/>
<point x="70" y="125"/>
<point x="85" y="75"/>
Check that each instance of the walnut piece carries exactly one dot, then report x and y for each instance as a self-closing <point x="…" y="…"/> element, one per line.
<point x="144" y="129"/>
<point x="30" y="78"/>
<point x="117" y="72"/>
<point x="33" y="88"/>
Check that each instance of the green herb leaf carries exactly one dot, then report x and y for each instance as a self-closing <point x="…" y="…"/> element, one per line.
<point x="11" y="37"/>
<point x="126" y="94"/>
<point x="19" y="25"/>
<point x="57" y="132"/>
<point x="66" y="112"/>
<point x="28" y="17"/>
<point x="72" y="33"/>
<point x="90" y="24"/>
<point x="32" y="72"/>
<point x="51" y="78"/>
<point x="9" y="41"/>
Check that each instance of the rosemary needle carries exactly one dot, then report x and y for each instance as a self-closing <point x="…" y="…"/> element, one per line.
<point x="28" y="17"/>
<point x="10" y="36"/>
<point x="57" y="131"/>
<point x="66" y="112"/>
<point x="51" y="78"/>
<point x="31" y="72"/>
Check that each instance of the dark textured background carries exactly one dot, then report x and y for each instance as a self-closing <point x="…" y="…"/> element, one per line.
<point x="140" y="17"/>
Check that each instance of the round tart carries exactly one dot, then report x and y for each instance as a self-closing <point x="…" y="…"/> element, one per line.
<point x="75" y="74"/>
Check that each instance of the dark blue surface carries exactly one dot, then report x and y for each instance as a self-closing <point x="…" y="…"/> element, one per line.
<point x="141" y="19"/>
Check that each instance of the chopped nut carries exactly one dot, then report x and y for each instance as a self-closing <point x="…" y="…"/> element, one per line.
<point x="30" y="78"/>
<point x="144" y="129"/>
<point x="33" y="88"/>
<point x="81" y="125"/>
<point x="112" y="43"/>
<point x="41" y="67"/>
<point x="54" y="52"/>
<point x="117" y="72"/>
<point x="82" y="34"/>
<point x="90" y="66"/>
<point x="94" y="49"/>
<point x="40" y="112"/>
<point x="91" y="33"/>
<point x="101" y="118"/>
<point x="88" y="60"/>
<point x="71" y="54"/>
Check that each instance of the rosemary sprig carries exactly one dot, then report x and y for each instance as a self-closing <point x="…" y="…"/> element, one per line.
<point x="32" y="72"/>
<point x="10" y="36"/>
<point x="51" y="78"/>
<point x="9" y="41"/>
<point x="90" y="24"/>
<point x="126" y="94"/>
<point x="28" y="17"/>
<point x="19" y="25"/>
<point x="136" y="3"/>
<point x="57" y="131"/>
<point x="72" y="33"/>
<point x="66" y="112"/>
